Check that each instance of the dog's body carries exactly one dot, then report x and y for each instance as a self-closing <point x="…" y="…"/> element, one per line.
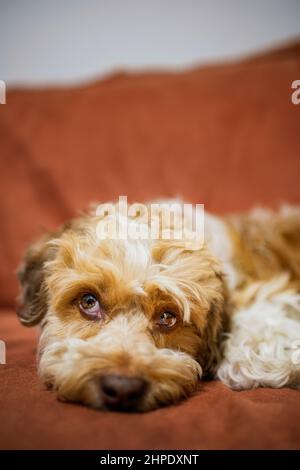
<point x="133" y="324"/>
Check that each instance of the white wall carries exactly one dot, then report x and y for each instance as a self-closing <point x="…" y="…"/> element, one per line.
<point x="53" y="41"/>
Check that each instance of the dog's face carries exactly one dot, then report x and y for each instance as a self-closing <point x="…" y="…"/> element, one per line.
<point x="126" y="324"/>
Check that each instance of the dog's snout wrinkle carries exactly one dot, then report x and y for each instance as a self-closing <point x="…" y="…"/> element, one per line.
<point x="120" y="392"/>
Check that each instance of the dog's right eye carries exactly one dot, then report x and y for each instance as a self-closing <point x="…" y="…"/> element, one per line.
<point x="89" y="305"/>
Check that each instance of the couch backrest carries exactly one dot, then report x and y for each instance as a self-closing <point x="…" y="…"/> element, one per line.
<point x="227" y="136"/>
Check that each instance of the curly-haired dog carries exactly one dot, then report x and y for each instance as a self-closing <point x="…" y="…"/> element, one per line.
<point x="133" y="324"/>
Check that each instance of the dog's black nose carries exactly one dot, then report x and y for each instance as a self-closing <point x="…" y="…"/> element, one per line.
<point x="121" y="392"/>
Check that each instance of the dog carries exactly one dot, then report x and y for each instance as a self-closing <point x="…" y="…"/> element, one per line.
<point x="133" y="324"/>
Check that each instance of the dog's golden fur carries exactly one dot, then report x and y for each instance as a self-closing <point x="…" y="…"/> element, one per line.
<point x="135" y="280"/>
<point x="266" y="245"/>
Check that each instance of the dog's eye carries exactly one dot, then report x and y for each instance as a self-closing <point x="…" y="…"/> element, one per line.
<point x="166" y="320"/>
<point x="89" y="305"/>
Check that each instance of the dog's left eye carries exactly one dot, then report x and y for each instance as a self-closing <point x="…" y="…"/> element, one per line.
<point x="89" y="305"/>
<point x="166" y="320"/>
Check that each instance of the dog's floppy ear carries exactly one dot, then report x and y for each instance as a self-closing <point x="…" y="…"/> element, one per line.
<point x="32" y="302"/>
<point x="218" y="324"/>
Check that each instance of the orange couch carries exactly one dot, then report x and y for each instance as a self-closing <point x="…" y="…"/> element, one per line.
<point x="223" y="135"/>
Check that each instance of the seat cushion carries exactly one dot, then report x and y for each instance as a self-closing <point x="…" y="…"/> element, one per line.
<point x="214" y="418"/>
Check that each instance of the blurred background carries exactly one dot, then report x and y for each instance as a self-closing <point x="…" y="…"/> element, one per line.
<point x="149" y="99"/>
<point x="64" y="41"/>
